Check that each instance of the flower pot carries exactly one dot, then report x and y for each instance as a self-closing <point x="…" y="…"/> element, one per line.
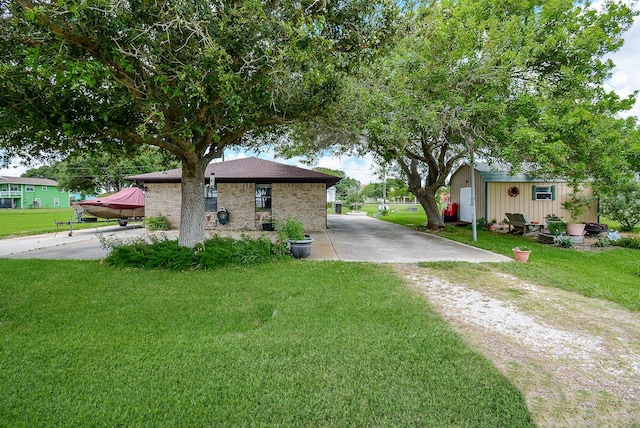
<point x="575" y="229"/>
<point x="300" y="249"/>
<point x="521" y="256"/>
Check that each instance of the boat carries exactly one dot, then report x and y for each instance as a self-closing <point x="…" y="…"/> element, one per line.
<point x="124" y="205"/>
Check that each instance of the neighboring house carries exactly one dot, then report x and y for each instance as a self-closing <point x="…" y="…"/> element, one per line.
<point x="498" y="193"/>
<point x="28" y="192"/>
<point x="252" y="190"/>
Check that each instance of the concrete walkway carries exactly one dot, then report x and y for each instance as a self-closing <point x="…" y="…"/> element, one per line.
<point x="82" y="245"/>
<point x="348" y="238"/>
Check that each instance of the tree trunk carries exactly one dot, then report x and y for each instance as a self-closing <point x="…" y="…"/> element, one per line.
<point x="430" y="204"/>
<point x="192" y="209"/>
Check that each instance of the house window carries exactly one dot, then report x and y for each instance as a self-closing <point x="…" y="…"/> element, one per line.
<point x="210" y="199"/>
<point x="544" y="193"/>
<point x="56" y="202"/>
<point x="14" y="188"/>
<point x="30" y="188"/>
<point x="44" y="188"/>
<point x="263" y="197"/>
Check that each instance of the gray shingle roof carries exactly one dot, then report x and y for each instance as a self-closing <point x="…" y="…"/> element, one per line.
<point x="246" y="170"/>
<point x="28" y="180"/>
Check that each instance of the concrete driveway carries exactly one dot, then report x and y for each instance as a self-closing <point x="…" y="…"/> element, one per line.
<point x="365" y="239"/>
<point x="82" y="245"/>
<point x="348" y="238"/>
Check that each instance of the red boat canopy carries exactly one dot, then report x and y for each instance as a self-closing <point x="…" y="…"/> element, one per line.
<point x="131" y="197"/>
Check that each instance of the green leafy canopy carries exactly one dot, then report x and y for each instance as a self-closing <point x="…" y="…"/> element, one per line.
<point x="188" y="76"/>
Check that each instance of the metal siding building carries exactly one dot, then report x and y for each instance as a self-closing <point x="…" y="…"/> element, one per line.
<point x="498" y="193"/>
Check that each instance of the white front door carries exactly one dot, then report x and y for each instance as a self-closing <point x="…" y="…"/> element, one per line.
<point x="465" y="204"/>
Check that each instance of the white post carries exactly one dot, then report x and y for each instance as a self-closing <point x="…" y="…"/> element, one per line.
<point x="473" y="197"/>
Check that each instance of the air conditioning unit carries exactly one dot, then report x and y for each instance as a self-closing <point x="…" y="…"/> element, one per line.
<point x="544" y="193"/>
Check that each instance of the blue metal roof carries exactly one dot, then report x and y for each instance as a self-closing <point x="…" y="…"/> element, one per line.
<point x="495" y="174"/>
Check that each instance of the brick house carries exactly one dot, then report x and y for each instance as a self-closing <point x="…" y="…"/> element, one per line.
<point x="31" y="192"/>
<point x="252" y="190"/>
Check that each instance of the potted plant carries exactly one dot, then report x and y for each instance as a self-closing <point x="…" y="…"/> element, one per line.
<point x="521" y="253"/>
<point x="555" y="225"/>
<point x="292" y="231"/>
<point x="577" y="206"/>
<point x="267" y="223"/>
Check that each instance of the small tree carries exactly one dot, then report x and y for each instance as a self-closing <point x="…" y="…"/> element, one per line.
<point x="578" y="203"/>
<point x="622" y="204"/>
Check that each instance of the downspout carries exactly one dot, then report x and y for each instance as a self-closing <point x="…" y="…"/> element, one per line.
<point x="486" y="201"/>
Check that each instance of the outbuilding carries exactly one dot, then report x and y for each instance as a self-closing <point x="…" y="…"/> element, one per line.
<point x="249" y="192"/>
<point x="498" y="193"/>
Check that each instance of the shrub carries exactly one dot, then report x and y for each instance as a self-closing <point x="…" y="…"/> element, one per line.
<point x="556" y="227"/>
<point x="213" y="253"/>
<point x="603" y="241"/>
<point x="622" y="203"/>
<point x="291" y="228"/>
<point x="157" y="223"/>
<point x="563" y="241"/>
<point x="159" y="253"/>
<point x="553" y="217"/>
<point x="633" y="243"/>
<point x="482" y="223"/>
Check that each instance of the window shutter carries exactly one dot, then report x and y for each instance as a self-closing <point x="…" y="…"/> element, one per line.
<point x="533" y="193"/>
<point x="553" y="193"/>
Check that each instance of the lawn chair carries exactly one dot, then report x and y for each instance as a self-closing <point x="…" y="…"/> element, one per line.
<point x="522" y="225"/>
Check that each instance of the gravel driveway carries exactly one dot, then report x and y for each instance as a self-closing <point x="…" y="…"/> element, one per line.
<point x="575" y="359"/>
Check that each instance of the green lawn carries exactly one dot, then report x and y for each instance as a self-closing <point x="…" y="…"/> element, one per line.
<point x="294" y="343"/>
<point x="610" y="273"/>
<point x="19" y="222"/>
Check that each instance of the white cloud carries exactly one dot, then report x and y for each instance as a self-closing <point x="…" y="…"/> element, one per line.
<point x="625" y="78"/>
<point x="14" y="170"/>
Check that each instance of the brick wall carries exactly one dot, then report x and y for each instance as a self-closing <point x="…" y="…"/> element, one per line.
<point x="306" y="201"/>
<point x="164" y="199"/>
<point x="240" y="200"/>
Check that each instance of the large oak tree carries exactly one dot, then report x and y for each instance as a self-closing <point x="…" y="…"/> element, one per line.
<point x="189" y="76"/>
<point x="514" y="81"/>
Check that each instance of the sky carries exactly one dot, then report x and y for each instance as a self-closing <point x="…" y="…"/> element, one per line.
<point x="624" y="81"/>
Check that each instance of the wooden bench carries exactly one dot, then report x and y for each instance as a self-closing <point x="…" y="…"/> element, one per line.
<point x="521" y="224"/>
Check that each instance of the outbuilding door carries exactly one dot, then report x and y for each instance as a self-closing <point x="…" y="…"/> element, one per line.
<point x="465" y="204"/>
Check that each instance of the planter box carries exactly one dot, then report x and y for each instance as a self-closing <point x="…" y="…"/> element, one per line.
<point x="300" y="249"/>
<point x="577" y="240"/>
<point x="546" y="238"/>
